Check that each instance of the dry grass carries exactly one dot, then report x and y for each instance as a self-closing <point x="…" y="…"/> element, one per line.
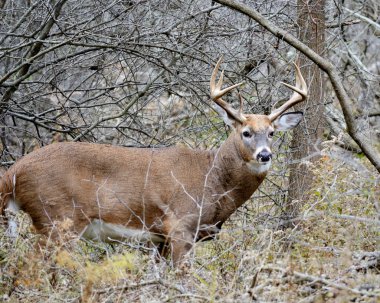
<point x="329" y="256"/>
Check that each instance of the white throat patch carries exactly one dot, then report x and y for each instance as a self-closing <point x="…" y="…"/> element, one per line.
<point x="259" y="168"/>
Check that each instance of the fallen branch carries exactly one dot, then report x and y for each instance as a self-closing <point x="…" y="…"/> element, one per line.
<point x="315" y="279"/>
<point x="189" y="295"/>
<point x="138" y="285"/>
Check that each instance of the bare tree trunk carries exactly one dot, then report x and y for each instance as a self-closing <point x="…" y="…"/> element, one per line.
<point x="306" y="138"/>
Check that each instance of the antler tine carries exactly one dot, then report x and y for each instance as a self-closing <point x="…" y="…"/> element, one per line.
<point x="213" y="75"/>
<point x="216" y="93"/>
<point x="299" y="95"/>
<point x="241" y="104"/>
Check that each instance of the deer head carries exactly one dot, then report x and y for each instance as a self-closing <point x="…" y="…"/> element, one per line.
<point x="253" y="133"/>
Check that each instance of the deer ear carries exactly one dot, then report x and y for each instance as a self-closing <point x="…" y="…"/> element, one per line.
<point x="228" y="120"/>
<point x="287" y="121"/>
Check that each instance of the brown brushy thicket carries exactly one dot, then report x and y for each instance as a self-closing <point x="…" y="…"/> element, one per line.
<point x="331" y="255"/>
<point x="137" y="73"/>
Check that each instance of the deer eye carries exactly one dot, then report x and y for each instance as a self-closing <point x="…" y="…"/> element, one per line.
<point x="246" y="134"/>
<point x="271" y="134"/>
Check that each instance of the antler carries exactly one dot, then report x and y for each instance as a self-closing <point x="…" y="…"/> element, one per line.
<point x="216" y="93"/>
<point x="299" y="95"/>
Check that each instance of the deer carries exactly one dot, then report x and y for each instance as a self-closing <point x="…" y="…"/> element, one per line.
<point x="170" y="196"/>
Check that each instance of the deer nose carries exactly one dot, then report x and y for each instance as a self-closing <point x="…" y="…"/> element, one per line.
<point x="264" y="156"/>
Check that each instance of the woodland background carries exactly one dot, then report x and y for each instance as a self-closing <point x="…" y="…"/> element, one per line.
<point x="136" y="73"/>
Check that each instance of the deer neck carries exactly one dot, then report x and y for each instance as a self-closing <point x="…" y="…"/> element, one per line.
<point x="236" y="180"/>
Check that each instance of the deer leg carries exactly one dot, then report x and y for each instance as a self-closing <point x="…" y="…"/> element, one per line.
<point x="163" y="251"/>
<point x="181" y="243"/>
<point x="208" y="232"/>
<point x="180" y="237"/>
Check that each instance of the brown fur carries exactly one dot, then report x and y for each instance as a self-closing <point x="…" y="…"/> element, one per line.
<point x="160" y="190"/>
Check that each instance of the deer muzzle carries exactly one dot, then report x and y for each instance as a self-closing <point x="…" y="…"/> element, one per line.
<point x="264" y="156"/>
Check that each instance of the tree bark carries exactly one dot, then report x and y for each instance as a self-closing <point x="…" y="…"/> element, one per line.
<point x="306" y="137"/>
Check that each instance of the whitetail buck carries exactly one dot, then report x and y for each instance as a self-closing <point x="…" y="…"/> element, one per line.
<point x="173" y="196"/>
